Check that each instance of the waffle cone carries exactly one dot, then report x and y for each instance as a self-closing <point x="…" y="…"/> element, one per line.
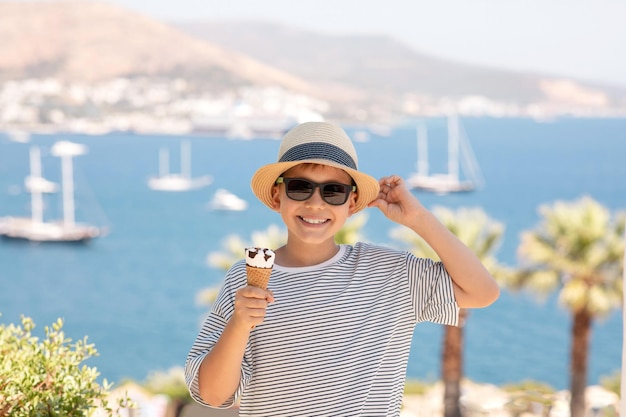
<point x="258" y="277"/>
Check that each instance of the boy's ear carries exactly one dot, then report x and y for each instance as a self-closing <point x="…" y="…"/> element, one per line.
<point x="275" y="198"/>
<point x="352" y="202"/>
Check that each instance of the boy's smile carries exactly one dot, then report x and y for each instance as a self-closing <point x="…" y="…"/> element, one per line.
<point x="314" y="221"/>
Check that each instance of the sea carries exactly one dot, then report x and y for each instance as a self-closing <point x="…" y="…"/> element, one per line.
<point x="133" y="292"/>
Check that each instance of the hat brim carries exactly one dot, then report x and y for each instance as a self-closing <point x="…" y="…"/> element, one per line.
<point x="264" y="178"/>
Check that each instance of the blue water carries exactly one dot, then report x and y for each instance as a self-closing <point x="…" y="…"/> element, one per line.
<point x="133" y="291"/>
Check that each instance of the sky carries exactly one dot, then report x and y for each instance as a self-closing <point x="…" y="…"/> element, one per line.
<point x="576" y="38"/>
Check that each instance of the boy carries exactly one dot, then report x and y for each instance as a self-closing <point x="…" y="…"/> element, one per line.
<point x="331" y="335"/>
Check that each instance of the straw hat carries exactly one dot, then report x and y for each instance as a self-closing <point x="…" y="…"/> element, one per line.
<point x="318" y="143"/>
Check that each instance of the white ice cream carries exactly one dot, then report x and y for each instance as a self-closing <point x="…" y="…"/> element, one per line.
<point x="260" y="257"/>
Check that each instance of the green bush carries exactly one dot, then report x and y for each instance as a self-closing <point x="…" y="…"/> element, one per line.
<point x="612" y="382"/>
<point x="530" y="397"/>
<point x="45" y="378"/>
<point x="415" y="387"/>
<point x="170" y="383"/>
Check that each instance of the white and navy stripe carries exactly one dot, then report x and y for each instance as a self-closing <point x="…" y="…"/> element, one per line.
<point x="337" y="339"/>
<point x="318" y="150"/>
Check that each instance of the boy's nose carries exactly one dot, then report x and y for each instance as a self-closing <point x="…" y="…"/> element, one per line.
<point x="316" y="198"/>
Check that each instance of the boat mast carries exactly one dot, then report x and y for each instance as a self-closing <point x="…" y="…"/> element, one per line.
<point x="36" y="199"/>
<point x="68" y="190"/>
<point x="164" y="161"/>
<point x="185" y="159"/>
<point x="468" y="161"/>
<point x="66" y="150"/>
<point x="453" y="148"/>
<point x="422" y="151"/>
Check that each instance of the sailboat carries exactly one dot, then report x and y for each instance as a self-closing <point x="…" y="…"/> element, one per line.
<point x="34" y="228"/>
<point x="460" y="156"/>
<point x="177" y="182"/>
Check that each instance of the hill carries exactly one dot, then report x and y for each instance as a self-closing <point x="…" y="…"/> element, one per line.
<point x="92" y="41"/>
<point x="381" y="65"/>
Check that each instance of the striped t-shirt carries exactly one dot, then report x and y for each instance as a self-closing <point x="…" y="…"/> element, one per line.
<point x="336" y="341"/>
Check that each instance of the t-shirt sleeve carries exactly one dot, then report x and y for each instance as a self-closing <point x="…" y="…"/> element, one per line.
<point x="432" y="291"/>
<point x="212" y="328"/>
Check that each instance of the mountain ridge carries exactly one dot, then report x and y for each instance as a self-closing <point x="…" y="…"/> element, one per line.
<point x="91" y="41"/>
<point x="88" y="41"/>
<point x="374" y="62"/>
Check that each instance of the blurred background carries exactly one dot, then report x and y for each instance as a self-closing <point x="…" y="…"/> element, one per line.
<point x="169" y="107"/>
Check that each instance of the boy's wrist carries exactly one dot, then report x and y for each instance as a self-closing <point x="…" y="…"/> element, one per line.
<point x="418" y="220"/>
<point x="239" y="327"/>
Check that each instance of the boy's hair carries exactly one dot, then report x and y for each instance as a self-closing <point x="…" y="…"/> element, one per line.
<point x="318" y="143"/>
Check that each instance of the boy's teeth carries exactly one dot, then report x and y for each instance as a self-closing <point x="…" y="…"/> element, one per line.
<point x="314" y="221"/>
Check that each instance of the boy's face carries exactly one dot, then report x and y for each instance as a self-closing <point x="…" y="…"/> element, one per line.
<point x="313" y="221"/>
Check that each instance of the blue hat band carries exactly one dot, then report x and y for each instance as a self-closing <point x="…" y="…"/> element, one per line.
<point x="318" y="150"/>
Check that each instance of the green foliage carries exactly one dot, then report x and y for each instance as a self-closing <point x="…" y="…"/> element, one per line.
<point x="233" y="246"/>
<point x="415" y="387"/>
<point x="207" y="296"/>
<point x="350" y="233"/>
<point x="578" y="249"/>
<point x="529" y="386"/>
<point x="530" y="397"/>
<point x="612" y="382"/>
<point x="233" y="250"/>
<point x="170" y="383"/>
<point x="45" y="378"/>
<point x="472" y="226"/>
<point x="274" y="237"/>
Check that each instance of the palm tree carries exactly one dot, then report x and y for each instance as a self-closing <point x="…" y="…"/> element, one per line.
<point x="577" y="249"/>
<point x="482" y="235"/>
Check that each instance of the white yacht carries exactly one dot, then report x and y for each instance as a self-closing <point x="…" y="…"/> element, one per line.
<point x="460" y="156"/>
<point x="34" y="228"/>
<point x="225" y="200"/>
<point x="182" y="181"/>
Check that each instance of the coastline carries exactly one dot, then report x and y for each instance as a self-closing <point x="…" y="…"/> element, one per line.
<point x="476" y="400"/>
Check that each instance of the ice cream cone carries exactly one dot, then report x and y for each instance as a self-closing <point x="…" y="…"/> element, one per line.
<point x="259" y="264"/>
<point x="258" y="277"/>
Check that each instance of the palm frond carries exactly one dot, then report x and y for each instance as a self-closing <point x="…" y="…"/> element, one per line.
<point x="579" y="248"/>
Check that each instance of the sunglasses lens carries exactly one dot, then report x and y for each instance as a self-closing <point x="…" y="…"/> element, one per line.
<point x="299" y="190"/>
<point x="335" y="194"/>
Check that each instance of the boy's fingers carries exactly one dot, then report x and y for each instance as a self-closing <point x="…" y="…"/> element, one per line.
<point x="254" y="292"/>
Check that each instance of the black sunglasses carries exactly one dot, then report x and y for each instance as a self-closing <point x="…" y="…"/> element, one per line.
<point x="300" y="189"/>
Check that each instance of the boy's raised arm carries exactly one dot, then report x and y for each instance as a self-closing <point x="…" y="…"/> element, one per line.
<point x="474" y="286"/>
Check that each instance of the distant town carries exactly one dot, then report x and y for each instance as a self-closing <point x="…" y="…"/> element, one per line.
<point x="171" y="106"/>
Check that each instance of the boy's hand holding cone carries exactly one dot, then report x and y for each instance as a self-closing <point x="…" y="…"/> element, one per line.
<point x="259" y="264"/>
